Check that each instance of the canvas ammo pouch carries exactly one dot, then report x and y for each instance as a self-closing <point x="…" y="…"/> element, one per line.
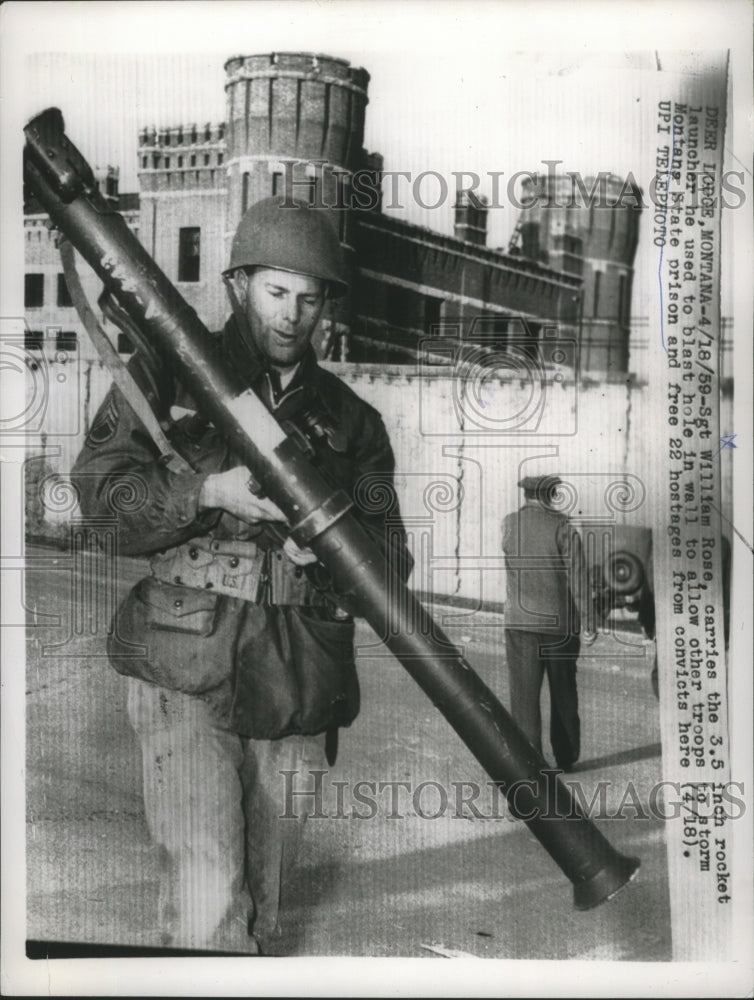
<point x="294" y="673"/>
<point x="186" y="617"/>
<point x="268" y="670"/>
<point x="175" y="636"/>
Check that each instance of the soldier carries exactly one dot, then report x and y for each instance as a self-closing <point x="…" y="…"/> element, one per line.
<point x="238" y="667"/>
<point x="546" y="591"/>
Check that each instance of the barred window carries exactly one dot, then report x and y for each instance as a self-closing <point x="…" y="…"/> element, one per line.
<point x="66" y="340"/>
<point x="189" y="253"/>
<point x="596" y="306"/>
<point x="34" y="290"/>
<point x="33" y="340"/>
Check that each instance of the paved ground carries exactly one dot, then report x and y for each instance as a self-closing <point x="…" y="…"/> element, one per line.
<point x="395" y="884"/>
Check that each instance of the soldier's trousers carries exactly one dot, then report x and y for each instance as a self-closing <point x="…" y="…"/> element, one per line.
<point x="530" y="656"/>
<point x="215" y="805"/>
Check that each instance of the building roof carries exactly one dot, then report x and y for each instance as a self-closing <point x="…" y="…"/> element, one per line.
<point x="482" y="254"/>
<point x="128" y="202"/>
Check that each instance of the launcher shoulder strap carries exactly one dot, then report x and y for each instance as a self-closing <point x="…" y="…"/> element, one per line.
<point x="122" y="377"/>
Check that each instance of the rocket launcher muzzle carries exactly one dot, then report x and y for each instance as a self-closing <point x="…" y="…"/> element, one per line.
<point x="320" y="517"/>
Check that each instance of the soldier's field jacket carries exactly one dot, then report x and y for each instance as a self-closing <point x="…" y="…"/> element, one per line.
<point x="224" y="614"/>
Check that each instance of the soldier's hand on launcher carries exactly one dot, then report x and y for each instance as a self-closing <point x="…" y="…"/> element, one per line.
<point x="301" y="557"/>
<point x="230" y="491"/>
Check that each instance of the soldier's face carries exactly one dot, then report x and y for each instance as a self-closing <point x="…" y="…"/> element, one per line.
<point x="283" y="310"/>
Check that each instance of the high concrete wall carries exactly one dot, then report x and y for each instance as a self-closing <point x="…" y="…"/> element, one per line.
<point x="460" y="448"/>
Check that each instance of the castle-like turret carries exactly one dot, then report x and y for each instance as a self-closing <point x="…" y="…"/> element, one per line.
<point x="295" y="126"/>
<point x="470" y="218"/>
<point x="292" y="117"/>
<point x="183" y="190"/>
<point x="591" y="227"/>
<point x="181" y="158"/>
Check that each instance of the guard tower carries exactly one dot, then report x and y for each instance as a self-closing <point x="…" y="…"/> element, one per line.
<point x="295" y="124"/>
<point x="594" y="236"/>
<point x="182" y="199"/>
<point x="470" y="218"/>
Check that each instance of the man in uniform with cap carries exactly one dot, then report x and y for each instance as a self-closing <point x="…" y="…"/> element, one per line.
<point x="546" y="594"/>
<point x="238" y="667"/>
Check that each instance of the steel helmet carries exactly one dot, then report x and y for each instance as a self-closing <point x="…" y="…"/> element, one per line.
<point x="291" y="236"/>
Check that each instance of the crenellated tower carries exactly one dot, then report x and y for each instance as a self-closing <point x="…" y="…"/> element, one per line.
<point x="183" y="190"/>
<point x="591" y="229"/>
<point x="182" y="158"/>
<point x="295" y="124"/>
